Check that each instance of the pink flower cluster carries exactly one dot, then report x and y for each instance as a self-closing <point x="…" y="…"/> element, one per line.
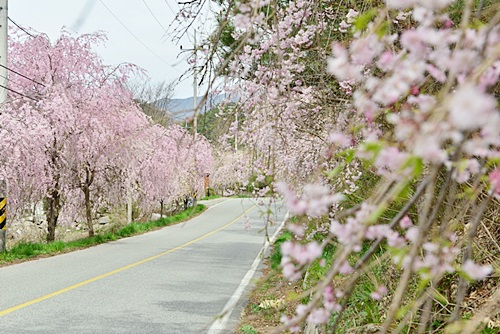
<point x="427" y="53"/>
<point x="350" y="233"/>
<point x="476" y="272"/>
<point x="379" y="292"/>
<point x="350" y="18"/>
<point x="315" y="201"/>
<point x="295" y="256"/>
<point x="495" y="181"/>
<point x="415" y="99"/>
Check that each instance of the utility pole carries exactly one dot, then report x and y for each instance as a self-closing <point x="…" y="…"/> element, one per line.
<point x="3" y="99"/>
<point x="3" y="52"/>
<point x="195" y="88"/>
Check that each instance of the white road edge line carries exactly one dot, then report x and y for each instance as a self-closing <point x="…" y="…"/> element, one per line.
<point x="216" y="204"/>
<point x="221" y="322"/>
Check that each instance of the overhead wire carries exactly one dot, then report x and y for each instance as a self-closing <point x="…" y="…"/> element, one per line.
<point x="11" y="81"/>
<point x="22" y="75"/>
<point x="170" y="7"/>
<point x="118" y="19"/>
<point x="153" y="14"/>
<point x="17" y="25"/>
<point x="137" y="38"/>
<point x="14" y="91"/>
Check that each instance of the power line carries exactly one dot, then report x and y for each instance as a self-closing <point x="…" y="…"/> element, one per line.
<point x="137" y="38"/>
<point x="8" y="69"/>
<point x="161" y="25"/>
<point x="171" y="9"/>
<point x="11" y="81"/>
<point x="17" y="25"/>
<point x="14" y="91"/>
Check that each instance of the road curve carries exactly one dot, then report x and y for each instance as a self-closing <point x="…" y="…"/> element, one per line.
<point x="174" y="280"/>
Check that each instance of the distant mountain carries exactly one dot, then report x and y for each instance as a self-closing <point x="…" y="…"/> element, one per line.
<point x="180" y="109"/>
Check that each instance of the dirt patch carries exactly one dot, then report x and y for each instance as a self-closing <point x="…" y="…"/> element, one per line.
<point x="271" y="298"/>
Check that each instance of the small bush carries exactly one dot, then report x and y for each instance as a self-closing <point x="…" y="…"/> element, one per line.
<point x="276" y="254"/>
<point x="248" y="329"/>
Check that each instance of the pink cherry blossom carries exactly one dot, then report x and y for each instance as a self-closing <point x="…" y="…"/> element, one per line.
<point x="351" y="15"/>
<point x="476" y="272"/>
<point x="465" y="169"/>
<point x="345" y="268"/>
<point x="389" y="162"/>
<point x="494" y="177"/>
<point x="428" y="147"/>
<point x="242" y="21"/>
<point x="412" y="234"/>
<point x="379" y="292"/>
<point x="405" y="222"/>
<point x="470" y="108"/>
<point x="301" y="254"/>
<point x="340" y="66"/>
<point x="319" y="316"/>
<point x="423" y="76"/>
<point x="315" y="200"/>
<point x="400" y="4"/>
<point x="340" y="139"/>
<point x="298" y="230"/>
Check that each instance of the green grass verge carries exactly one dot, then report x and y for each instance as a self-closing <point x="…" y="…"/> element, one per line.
<point x="29" y="250"/>
<point x="242" y="196"/>
<point x="210" y="197"/>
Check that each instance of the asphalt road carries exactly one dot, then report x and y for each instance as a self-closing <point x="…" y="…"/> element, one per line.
<point x="175" y="280"/>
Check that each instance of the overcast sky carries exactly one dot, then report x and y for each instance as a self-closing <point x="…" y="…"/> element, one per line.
<point x="151" y="49"/>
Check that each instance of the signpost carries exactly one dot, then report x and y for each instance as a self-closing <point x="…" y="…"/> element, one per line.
<point x="3" y="214"/>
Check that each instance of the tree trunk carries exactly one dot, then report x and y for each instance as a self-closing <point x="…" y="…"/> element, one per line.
<point x="88" y="211"/>
<point x="161" y="209"/>
<point x="85" y="187"/>
<point x="54" y="197"/>
<point x="129" y="209"/>
<point x="53" y="208"/>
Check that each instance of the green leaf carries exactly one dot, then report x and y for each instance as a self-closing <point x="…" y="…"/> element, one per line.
<point x="402" y="311"/>
<point x="423" y="282"/>
<point x="416" y="163"/>
<point x="372" y="147"/>
<point x="357" y="129"/>
<point x="404" y="194"/>
<point x="347" y="154"/>
<point x="493" y="161"/>
<point x="440" y="298"/>
<point x="362" y="20"/>
<point x="382" y="29"/>
<point x="377" y="214"/>
<point x="334" y="172"/>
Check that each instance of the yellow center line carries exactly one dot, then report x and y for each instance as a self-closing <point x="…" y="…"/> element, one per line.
<point x="77" y="285"/>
